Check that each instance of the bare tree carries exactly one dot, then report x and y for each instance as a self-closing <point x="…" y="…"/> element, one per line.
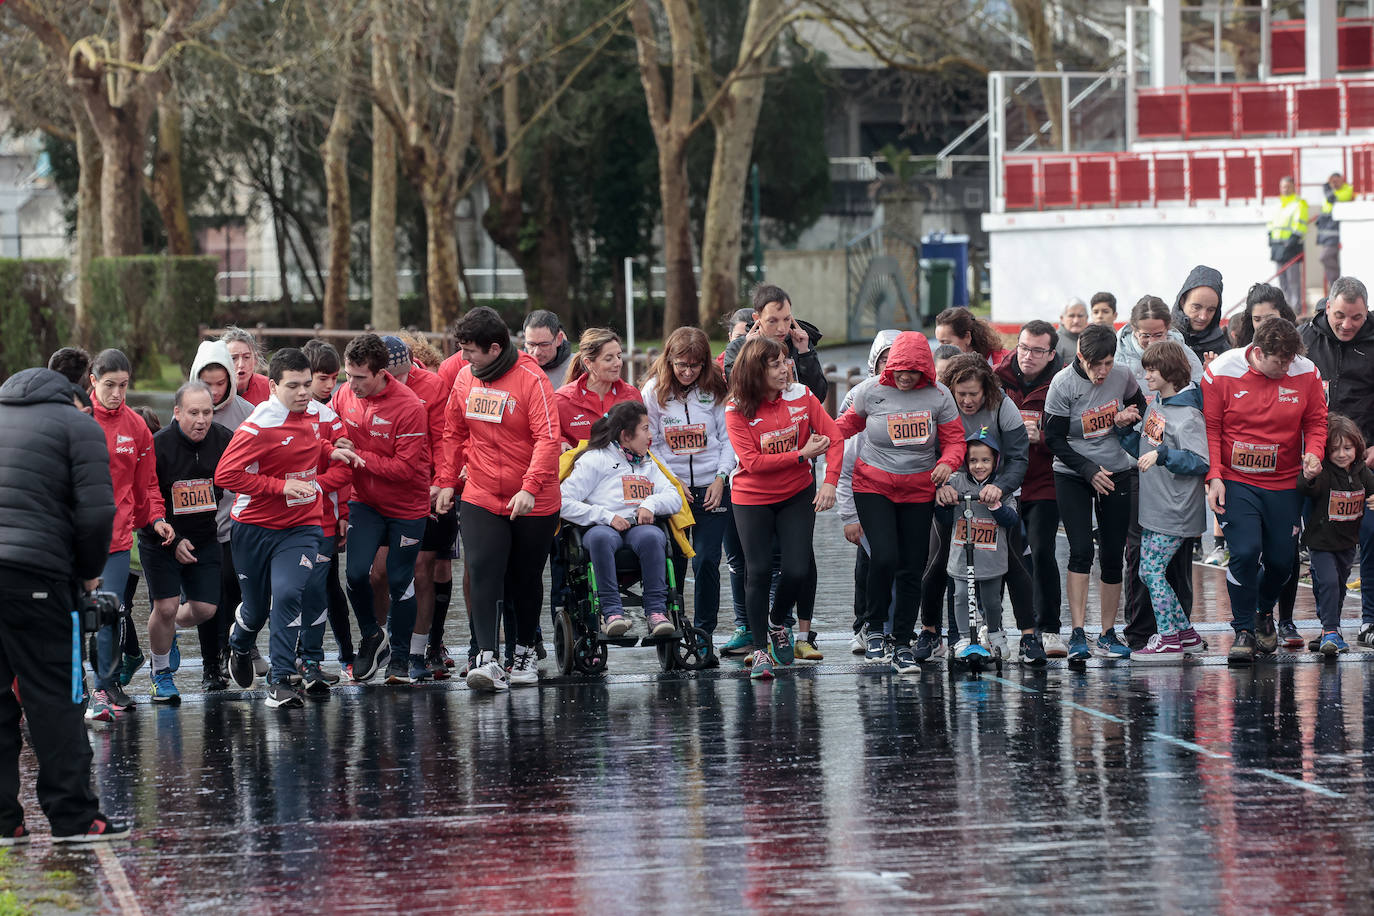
<point x="165" y="186"/>
<point x="386" y="300"/>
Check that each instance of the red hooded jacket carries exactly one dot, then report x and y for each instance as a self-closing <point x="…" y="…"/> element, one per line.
<point x="433" y="393"/>
<point x="133" y="470"/>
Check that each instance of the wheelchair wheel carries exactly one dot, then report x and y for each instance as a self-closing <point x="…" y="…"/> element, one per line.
<point x="667" y="654"/>
<point x="693" y="650"/>
<point x="564" y="642"/>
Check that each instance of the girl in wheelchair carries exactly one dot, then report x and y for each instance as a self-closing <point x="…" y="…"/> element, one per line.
<point x="616" y="489"/>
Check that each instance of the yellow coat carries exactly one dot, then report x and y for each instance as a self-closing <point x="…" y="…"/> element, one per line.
<point x="678" y="522"/>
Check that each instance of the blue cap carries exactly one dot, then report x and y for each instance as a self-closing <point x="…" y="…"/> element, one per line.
<point x="398" y="354"/>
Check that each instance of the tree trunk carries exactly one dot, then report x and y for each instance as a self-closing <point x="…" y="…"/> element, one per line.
<point x="334" y="151"/>
<point x="441" y="254"/>
<point x="680" y="284"/>
<point x="386" y="300"/>
<point x="1037" y="29"/>
<point x="166" y="184"/>
<point x="121" y="187"/>
<point x="87" y="220"/>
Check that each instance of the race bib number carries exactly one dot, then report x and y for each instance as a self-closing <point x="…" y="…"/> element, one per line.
<point x="636" y="488"/>
<point x="984" y="533"/>
<point x="779" y="441"/>
<point x="309" y="477"/>
<point x="910" y="428"/>
<point x="1031" y="418"/>
<point x="192" y="497"/>
<point x="1098" y="421"/>
<point x="1254" y="459"/>
<point x="1153" y="430"/>
<point x="487" y="404"/>
<point x="685" y="438"/>
<point x="1345" y="505"/>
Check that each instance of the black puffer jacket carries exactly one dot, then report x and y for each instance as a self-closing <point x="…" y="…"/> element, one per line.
<point x="1347" y="369"/>
<point x="56" y="501"/>
<point x="809" y="371"/>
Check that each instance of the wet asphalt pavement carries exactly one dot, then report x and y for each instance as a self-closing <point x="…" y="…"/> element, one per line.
<point x="1112" y="789"/>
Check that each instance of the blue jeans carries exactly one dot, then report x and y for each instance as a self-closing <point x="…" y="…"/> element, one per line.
<point x="1260" y="530"/>
<point x="707" y="536"/>
<point x="113" y="578"/>
<point x="277" y="567"/>
<point x="650" y="544"/>
<point x="368" y="531"/>
<point x="315" y="606"/>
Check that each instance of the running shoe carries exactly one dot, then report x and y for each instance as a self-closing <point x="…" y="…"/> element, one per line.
<point x="241" y="668"/>
<point x="1054" y="646"/>
<point x="1078" y="645"/>
<point x="761" y="666"/>
<point x="741" y="642"/>
<point x="398" y="671"/>
<point x="212" y="676"/>
<point x="1266" y="637"/>
<point x="419" y="669"/>
<point x="1219" y="556"/>
<point x="319" y="673"/>
<point x="966" y="649"/>
<point x="1190" y="642"/>
<point x="128" y="667"/>
<point x="615" y="625"/>
<point x="780" y="645"/>
<point x="1289" y="637"/>
<point x="541" y="651"/>
<point x="19" y="836"/>
<point x="1109" y="645"/>
<point x="260" y="665"/>
<point x="164" y="689"/>
<point x="1197" y="550"/>
<point x="314" y="681"/>
<point x="659" y="625"/>
<point x="98" y="709"/>
<point x="119" y="700"/>
<point x="373" y="652"/>
<point x="283" y="696"/>
<point x="524" y="670"/>
<point x="436" y="660"/>
<point x="442" y="654"/>
<point x="925" y="646"/>
<point x="904" y="659"/>
<point x="1332" y="643"/>
<point x="1366" y="636"/>
<point x="487" y="674"/>
<point x="879" y="648"/>
<point x="1032" y="652"/>
<point x="858" y="644"/>
<point x="805" y="647"/>
<point x="101" y="830"/>
<point x="961" y="647"/>
<point x="1160" y="649"/>
<point x="1243" y="649"/>
<point x="995" y="640"/>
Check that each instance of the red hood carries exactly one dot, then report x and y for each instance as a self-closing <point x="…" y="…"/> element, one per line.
<point x="910" y="353"/>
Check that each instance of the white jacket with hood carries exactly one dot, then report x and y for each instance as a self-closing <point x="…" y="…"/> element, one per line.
<point x="702" y="456"/>
<point x="844" y="491"/>
<point x="229" y="413"/>
<point x="604" y="484"/>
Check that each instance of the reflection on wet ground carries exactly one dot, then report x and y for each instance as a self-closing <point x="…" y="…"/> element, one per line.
<point x="1195" y="788"/>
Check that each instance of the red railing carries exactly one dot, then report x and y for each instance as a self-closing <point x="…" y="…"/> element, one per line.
<point x="1079" y="180"/>
<point x="1240" y="110"/>
<point x="1354" y="45"/>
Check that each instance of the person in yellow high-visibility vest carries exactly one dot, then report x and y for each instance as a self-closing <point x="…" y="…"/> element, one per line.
<point x="1286" y="229"/>
<point x="1337" y="190"/>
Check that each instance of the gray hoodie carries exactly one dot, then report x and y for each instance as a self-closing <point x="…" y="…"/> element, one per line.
<point x="844" y="492"/>
<point x="229" y="413"/>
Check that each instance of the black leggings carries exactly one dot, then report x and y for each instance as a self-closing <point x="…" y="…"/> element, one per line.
<point x="214" y="633"/>
<point x="1077" y="500"/>
<point x="792" y="522"/>
<point x="507" y="560"/>
<point x="898" y="537"/>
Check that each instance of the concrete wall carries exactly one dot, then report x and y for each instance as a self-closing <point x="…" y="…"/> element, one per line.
<point x="816" y="282"/>
<point x="1040" y="260"/>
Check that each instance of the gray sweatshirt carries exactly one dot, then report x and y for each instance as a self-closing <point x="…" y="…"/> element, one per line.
<point x="989" y="532"/>
<point x="1091" y="411"/>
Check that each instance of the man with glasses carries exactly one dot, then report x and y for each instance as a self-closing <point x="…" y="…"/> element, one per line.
<point x="546" y="342"/>
<point x="1025" y="376"/>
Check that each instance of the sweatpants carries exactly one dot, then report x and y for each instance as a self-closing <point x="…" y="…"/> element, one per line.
<point x="36" y="648"/>
<point x="1330" y="569"/>
<point x="989" y="602"/>
<point x="506" y="559"/>
<point x="368" y="531"/>
<point x="1041" y="519"/>
<point x="277" y="565"/>
<point x="650" y="544"/>
<point x="898" y="536"/>
<point x="792" y="521"/>
<point x="315" y="605"/>
<point x="1261" y="528"/>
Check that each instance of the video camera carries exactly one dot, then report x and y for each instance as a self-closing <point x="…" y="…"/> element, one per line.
<point x="99" y="609"/>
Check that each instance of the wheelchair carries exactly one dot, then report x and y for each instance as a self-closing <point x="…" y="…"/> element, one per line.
<point x="580" y="646"/>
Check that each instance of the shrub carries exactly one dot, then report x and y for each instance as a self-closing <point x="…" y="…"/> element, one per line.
<point x="151" y="304"/>
<point x="35" y="317"/>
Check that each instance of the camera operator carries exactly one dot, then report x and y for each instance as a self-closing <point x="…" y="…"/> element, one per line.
<point x="56" y="515"/>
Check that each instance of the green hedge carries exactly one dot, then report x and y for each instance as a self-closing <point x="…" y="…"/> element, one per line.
<point x="151" y="305"/>
<point x="35" y="317"/>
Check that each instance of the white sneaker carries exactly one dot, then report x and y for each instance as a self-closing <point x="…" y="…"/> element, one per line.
<point x="524" y="672"/>
<point x="488" y="674"/>
<point x="960" y="646"/>
<point x="859" y="644"/>
<point x="996" y="641"/>
<point x="1219" y="556"/>
<point x="1054" y="645"/>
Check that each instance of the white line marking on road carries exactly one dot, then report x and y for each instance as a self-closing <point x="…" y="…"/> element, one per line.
<point x="119" y="880"/>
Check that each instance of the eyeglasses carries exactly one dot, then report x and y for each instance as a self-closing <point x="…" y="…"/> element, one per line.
<point x="1157" y="335"/>
<point x="531" y="345"/>
<point x="1033" y="351"/>
<point x="686" y="367"/>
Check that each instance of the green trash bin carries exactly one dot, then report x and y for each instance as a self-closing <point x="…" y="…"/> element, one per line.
<point x="937" y="286"/>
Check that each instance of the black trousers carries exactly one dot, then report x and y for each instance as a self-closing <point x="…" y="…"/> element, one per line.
<point x="214" y="633"/>
<point x="507" y="561"/>
<point x="36" y="648"/>
<point x="898" y="535"/>
<point x="1041" y="518"/>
